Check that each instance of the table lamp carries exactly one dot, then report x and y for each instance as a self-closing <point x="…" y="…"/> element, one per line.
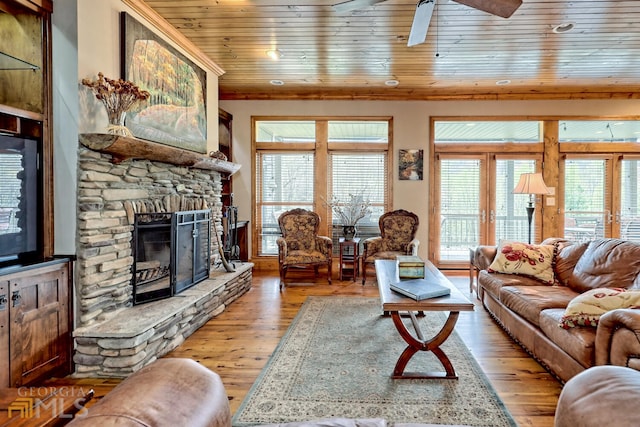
<point x="531" y="184"/>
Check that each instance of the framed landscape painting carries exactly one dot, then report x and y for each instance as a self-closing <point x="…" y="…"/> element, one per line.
<point x="175" y="114"/>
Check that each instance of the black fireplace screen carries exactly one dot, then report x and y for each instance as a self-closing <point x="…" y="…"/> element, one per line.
<point x="171" y="253"/>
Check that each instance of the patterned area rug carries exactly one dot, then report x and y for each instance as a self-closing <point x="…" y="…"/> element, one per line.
<point x="336" y="360"/>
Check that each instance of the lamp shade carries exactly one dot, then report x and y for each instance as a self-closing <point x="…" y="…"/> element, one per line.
<point x="531" y="183"/>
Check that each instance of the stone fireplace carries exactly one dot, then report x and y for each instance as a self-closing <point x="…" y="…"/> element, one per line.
<point x="171" y="253"/>
<point x="114" y="337"/>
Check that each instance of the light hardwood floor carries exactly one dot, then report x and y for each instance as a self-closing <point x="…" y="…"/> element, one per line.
<point x="238" y="343"/>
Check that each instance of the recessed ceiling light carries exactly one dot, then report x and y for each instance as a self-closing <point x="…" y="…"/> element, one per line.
<point x="274" y="54"/>
<point x="503" y="82"/>
<point x="276" y="82"/>
<point x="565" y="27"/>
<point x="392" y="83"/>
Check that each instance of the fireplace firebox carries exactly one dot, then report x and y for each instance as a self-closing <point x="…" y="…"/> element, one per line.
<point x="171" y="253"/>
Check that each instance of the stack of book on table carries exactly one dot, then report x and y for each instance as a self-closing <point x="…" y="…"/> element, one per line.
<point x="421" y="286"/>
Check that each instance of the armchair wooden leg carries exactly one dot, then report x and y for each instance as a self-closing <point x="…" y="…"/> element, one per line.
<point x="364" y="272"/>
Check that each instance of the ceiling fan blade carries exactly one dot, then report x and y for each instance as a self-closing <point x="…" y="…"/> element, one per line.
<point x="502" y="8"/>
<point x="421" y="20"/>
<point x="351" y="5"/>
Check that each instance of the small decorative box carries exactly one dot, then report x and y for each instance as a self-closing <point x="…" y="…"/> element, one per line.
<point x="410" y="267"/>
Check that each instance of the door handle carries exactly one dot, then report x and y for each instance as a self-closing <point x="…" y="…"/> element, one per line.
<point x="492" y="217"/>
<point x="3" y="302"/>
<point x="15" y="298"/>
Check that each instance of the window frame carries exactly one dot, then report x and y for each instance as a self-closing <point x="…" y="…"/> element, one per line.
<point x="322" y="150"/>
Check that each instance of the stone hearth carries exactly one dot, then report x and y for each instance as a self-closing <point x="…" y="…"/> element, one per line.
<point x="113" y="338"/>
<point x="123" y="344"/>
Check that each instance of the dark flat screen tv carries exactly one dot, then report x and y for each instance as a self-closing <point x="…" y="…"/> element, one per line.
<point x="20" y="200"/>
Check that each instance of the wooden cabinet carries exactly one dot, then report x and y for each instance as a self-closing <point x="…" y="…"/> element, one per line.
<point x="34" y="323"/>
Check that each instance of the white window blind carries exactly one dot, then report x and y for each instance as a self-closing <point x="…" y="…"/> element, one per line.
<point x="10" y="189"/>
<point x="360" y="173"/>
<point x="284" y="181"/>
<point x="629" y="200"/>
<point x="587" y="192"/>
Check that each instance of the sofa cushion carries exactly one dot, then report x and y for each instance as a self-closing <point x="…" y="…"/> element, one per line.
<point x="579" y="343"/>
<point x="607" y="263"/>
<point x="529" y="301"/>
<point x="493" y="282"/>
<point x="525" y="259"/>
<point x="586" y="308"/>
<point x="566" y="260"/>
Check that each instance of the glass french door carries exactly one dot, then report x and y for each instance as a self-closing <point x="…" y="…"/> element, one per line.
<point x="629" y="214"/>
<point x="475" y="204"/>
<point x="601" y="197"/>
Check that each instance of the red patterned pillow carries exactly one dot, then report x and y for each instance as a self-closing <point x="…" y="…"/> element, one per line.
<point x="586" y="308"/>
<point x="525" y="259"/>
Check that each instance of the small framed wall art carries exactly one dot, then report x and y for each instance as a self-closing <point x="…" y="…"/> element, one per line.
<point x="410" y="166"/>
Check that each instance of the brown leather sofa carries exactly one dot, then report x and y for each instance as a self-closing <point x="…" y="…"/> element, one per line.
<point x="169" y="392"/>
<point x="531" y="311"/>
<point x="600" y="396"/>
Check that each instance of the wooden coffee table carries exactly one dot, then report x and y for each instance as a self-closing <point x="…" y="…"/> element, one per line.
<point x="397" y="305"/>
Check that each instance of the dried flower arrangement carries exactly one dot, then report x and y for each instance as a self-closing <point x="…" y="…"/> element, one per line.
<point x="118" y="97"/>
<point x="351" y="210"/>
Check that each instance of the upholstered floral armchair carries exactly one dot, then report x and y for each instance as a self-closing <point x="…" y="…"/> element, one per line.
<point x="397" y="237"/>
<point x="300" y="245"/>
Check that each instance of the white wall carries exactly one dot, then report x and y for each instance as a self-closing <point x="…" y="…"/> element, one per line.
<point x="411" y="131"/>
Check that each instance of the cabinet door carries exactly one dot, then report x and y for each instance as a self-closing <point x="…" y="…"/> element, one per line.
<point x="39" y="328"/>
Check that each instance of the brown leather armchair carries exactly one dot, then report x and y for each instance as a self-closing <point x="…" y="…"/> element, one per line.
<point x="397" y="237"/>
<point x="300" y="245"/>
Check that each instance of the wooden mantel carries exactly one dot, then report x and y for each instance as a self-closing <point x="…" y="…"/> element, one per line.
<point x="123" y="148"/>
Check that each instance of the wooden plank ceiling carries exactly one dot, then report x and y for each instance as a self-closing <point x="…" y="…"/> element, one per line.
<point x="469" y="54"/>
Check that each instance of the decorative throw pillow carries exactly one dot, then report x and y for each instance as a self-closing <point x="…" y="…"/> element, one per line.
<point x="586" y="308"/>
<point x="525" y="259"/>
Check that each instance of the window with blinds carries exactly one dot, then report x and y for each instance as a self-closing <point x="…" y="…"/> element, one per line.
<point x="10" y="189"/>
<point x="362" y="174"/>
<point x="587" y="194"/>
<point x="629" y="200"/>
<point x="284" y="182"/>
<point x="295" y="156"/>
